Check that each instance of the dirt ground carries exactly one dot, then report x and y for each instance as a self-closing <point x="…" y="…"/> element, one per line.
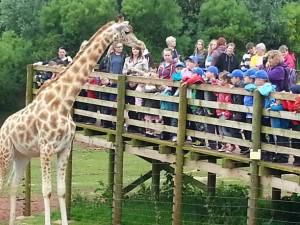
<point x="37" y="206"/>
<point x="37" y="203"/>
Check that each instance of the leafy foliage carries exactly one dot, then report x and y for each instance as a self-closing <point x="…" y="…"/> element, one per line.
<point x="228" y="18"/>
<point x="290" y="25"/>
<point x="144" y="15"/>
<point x="20" y="16"/>
<point x="15" y="55"/>
<point x="73" y="21"/>
<point x="44" y="25"/>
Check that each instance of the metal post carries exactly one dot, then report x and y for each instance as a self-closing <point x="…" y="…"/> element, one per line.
<point x="254" y="155"/>
<point x="178" y="179"/>
<point x="118" y="184"/>
<point x="27" y="183"/>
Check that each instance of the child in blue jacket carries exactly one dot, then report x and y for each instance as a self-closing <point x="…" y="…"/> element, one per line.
<point x="265" y="88"/>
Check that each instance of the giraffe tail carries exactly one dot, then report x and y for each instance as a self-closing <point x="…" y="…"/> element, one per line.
<point x="6" y="171"/>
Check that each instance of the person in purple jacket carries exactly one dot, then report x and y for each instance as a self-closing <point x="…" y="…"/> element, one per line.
<point x="276" y="69"/>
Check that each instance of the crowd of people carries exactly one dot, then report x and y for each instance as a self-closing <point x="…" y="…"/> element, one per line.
<point x="218" y="65"/>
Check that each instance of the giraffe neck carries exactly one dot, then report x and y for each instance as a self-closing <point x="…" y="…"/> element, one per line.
<point x="61" y="95"/>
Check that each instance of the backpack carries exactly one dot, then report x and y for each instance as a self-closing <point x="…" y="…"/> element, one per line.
<point x="290" y="78"/>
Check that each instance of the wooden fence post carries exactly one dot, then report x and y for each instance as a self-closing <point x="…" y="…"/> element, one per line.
<point x="211" y="180"/>
<point x="27" y="183"/>
<point x="155" y="179"/>
<point x="119" y="152"/>
<point x="111" y="167"/>
<point x="178" y="179"/>
<point x="255" y="156"/>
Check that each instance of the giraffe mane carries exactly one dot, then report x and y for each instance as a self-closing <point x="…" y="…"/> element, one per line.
<point x="79" y="53"/>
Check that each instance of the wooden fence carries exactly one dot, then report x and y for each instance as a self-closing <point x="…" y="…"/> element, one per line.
<point x="252" y="170"/>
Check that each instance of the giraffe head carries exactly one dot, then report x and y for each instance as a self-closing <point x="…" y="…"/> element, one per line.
<point x="124" y="34"/>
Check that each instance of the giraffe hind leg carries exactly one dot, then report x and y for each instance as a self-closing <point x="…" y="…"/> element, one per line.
<point x="20" y="163"/>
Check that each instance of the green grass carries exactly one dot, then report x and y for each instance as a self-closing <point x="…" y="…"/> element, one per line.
<point x="94" y="208"/>
<point x="89" y="168"/>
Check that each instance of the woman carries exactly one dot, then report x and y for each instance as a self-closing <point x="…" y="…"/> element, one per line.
<point x="257" y="61"/>
<point x="289" y="58"/>
<point x="276" y="69"/>
<point x="221" y="48"/>
<point x="211" y="47"/>
<point x="114" y="60"/>
<point x="200" y="52"/>
<point x="135" y="64"/>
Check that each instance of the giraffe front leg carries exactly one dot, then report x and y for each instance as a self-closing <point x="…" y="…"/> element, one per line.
<point x="19" y="167"/>
<point x="62" y="162"/>
<point x="46" y="184"/>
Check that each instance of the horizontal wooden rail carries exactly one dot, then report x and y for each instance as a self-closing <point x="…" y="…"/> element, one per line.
<point x="218" y="122"/>
<point x="220" y="105"/>
<point x="280" y="149"/>
<point x="94" y="115"/>
<point x="154" y="81"/>
<point x="54" y="69"/>
<point x="93" y="87"/>
<point x="215" y="137"/>
<point x="151" y="96"/>
<point x="153" y="111"/>
<point x="95" y="101"/>
<point x="244" y="109"/>
<point x="154" y="126"/>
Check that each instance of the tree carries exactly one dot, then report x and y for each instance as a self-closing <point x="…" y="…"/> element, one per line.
<point x="265" y="13"/>
<point x="228" y="18"/>
<point x="289" y="18"/>
<point x="153" y="21"/>
<point x="73" y="21"/>
<point x="20" y="16"/>
<point x="14" y="56"/>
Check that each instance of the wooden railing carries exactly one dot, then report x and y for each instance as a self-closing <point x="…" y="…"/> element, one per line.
<point x="189" y="117"/>
<point x="184" y="116"/>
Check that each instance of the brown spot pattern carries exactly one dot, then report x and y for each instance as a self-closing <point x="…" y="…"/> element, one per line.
<point x="55" y="104"/>
<point x="76" y="68"/>
<point x="83" y="60"/>
<point x="49" y="96"/>
<point x="44" y="115"/>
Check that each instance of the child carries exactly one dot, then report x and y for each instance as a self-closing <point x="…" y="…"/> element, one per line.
<point x="248" y="101"/>
<point x="105" y="82"/>
<point x="224" y="114"/>
<point x="92" y="94"/>
<point x="279" y="140"/>
<point x="196" y="78"/>
<point x="211" y="75"/>
<point x="167" y="67"/>
<point x="171" y="106"/>
<point x="245" y="63"/>
<point x="237" y="81"/>
<point x="265" y="88"/>
<point x="293" y="106"/>
<point x="150" y="118"/>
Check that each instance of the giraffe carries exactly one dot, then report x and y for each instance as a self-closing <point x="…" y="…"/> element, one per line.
<point x="44" y="128"/>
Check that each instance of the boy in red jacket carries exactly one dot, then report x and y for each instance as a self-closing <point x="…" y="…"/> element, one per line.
<point x="225" y="114"/>
<point x="294" y="106"/>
